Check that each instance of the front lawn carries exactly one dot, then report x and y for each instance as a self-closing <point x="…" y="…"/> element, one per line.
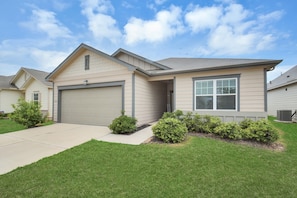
<point x="199" y="167"/>
<point x="7" y="125"/>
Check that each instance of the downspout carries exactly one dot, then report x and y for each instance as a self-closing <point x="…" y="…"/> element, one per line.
<point x="133" y="95"/>
<point x="174" y="94"/>
<point x="53" y="100"/>
<point x="265" y="90"/>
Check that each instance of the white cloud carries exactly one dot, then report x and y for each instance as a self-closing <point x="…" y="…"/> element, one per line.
<point x="102" y="26"/>
<point x="29" y="55"/>
<point x="234" y="14"/>
<point x="47" y="59"/>
<point x="276" y="15"/>
<point x="46" y="22"/>
<point x="167" y="23"/>
<point x="202" y="18"/>
<point x="160" y="2"/>
<point x="232" y="29"/>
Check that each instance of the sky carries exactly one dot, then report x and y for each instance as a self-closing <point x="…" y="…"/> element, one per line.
<point x="40" y="34"/>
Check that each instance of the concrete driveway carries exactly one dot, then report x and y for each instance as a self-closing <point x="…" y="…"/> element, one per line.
<point x="27" y="146"/>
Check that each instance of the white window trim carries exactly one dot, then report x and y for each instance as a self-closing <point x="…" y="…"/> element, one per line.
<point x="215" y="94"/>
<point x="39" y="97"/>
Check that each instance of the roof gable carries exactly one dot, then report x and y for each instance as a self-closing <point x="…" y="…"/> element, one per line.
<point x="140" y="58"/>
<point x="287" y="78"/>
<point x="27" y="75"/>
<point x="79" y="50"/>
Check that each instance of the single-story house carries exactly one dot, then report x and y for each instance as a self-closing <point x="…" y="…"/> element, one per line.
<point x="92" y="87"/>
<point x="30" y="84"/>
<point x="282" y="92"/>
<point x="9" y="94"/>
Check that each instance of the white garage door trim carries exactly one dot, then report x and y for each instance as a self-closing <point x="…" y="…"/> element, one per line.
<point x="89" y="86"/>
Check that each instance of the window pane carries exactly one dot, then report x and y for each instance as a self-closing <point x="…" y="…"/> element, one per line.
<point x="226" y="102"/>
<point x="219" y="83"/>
<point x="225" y="83"/>
<point x="232" y="90"/>
<point x="204" y="91"/>
<point x="219" y="90"/>
<point x="232" y="82"/>
<point x="210" y="84"/>
<point x="204" y="102"/>
<point x="35" y="97"/>
<point x="204" y="84"/>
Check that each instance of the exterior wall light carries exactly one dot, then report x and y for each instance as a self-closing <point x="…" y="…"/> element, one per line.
<point x="85" y="82"/>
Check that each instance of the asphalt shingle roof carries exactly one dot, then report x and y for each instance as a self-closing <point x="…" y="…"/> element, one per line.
<point x="287" y="78"/>
<point x="4" y="82"/>
<point x="39" y="75"/>
<point x="200" y="64"/>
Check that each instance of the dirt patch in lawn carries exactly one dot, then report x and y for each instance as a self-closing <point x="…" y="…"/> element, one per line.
<point x="276" y="146"/>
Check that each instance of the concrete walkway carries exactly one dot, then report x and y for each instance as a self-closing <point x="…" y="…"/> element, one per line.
<point x="27" y="146"/>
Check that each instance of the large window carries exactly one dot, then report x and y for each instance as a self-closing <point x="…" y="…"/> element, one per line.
<point x="216" y="94"/>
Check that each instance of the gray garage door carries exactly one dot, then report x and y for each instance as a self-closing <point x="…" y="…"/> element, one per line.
<point x="95" y="106"/>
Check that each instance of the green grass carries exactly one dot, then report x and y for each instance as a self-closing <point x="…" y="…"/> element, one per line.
<point x="7" y="126"/>
<point x="200" y="167"/>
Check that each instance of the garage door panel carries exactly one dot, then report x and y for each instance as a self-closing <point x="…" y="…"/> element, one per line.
<point x="95" y="106"/>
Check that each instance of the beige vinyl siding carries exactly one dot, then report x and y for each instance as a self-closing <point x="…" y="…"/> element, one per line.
<point x="282" y="99"/>
<point x="101" y="70"/>
<point x="252" y="98"/>
<point x="97" y="64"/>
<point x="7" y="98"/>
<point x="37" y="87"/>
<point x="251" y="88"/>
<point x="136" y="62"/>
<point x="150" y="100"/>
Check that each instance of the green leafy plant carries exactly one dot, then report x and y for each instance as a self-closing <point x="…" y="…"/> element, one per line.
<point x="170" y="130"/>
<point x="209" y="123"/>
<point x="262" y="131"/>
<point x="230" y="130"/>
<point x="246" y="123"/>
<point x="123" y="124"/>
<point x="26" y="113"/>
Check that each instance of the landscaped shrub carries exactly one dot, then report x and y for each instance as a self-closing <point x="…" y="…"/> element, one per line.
<point x="230" y="130"/>
<point x="170" y="130"/>
<point x="178" y="114"/>
<point x="245" y="123"/>
<point x="123" y="124"/>
<point x="27" y="113"/>
<point x="262" y="131"/>
<point x="209" y="123"/>
<point x="189" y="121"/>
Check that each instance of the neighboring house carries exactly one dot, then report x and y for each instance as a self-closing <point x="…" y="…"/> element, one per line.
<point x="27" y="83"/>
<point x="9" y="94"/>
<point x="282" y="92"/>
<point x="91" y="87"/>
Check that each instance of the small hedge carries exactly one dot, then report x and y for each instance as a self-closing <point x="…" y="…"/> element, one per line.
<point x="27" y="113"/>
<point x="260" y="131"/>
<point x="170" y="130"/>
<point x="123" y="124"/>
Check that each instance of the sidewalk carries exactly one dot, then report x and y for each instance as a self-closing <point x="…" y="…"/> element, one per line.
<point x="134" y="139"/>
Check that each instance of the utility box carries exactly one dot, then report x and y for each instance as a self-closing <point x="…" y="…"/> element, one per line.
<point x="284" y="115"/>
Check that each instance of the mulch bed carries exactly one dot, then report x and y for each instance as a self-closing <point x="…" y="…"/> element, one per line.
<point x="273" y="146"/>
